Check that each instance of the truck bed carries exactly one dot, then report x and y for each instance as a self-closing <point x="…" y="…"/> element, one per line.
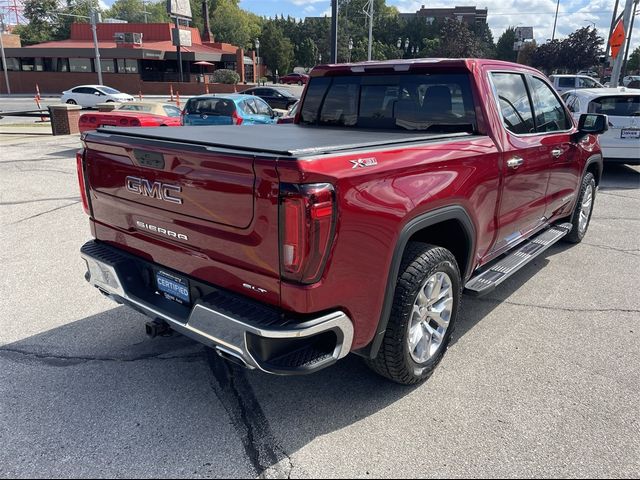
<point x="281" y="140"/>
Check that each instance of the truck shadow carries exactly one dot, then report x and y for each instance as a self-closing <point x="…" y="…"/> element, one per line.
<point x="107" y="355"/>
<point x="620" y="177"/>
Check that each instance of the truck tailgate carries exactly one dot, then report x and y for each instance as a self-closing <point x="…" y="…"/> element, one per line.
<point x="203" y="213"/>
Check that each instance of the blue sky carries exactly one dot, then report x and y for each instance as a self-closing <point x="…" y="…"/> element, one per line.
<point x="502" y="13"/>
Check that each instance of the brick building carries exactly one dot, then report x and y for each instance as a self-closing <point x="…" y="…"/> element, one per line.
<point x="134" y="57"/>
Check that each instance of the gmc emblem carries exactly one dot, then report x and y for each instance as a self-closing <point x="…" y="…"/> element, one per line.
<point x="161" y="191"/>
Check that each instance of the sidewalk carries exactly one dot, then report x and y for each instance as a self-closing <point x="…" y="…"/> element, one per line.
<point x="11" y="133"/>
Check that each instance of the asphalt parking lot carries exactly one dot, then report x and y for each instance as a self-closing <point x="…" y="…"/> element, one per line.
<point x="542" y="379"/>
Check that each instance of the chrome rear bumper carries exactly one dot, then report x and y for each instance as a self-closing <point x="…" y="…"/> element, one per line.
<point x="257" y="336"/>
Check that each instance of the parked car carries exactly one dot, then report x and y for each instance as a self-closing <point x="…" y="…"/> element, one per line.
<point x="275" y="97"/>
<point x="355" y="229"/>
<point x="630" y="78"/>
<point x="295" y="78"/>
<point x="634" y="84"/>
<point x="290" y="116"/>
<point x="621" y="144"/>
<point x="562" y="83"/>
<point x="232" y="109"/>
<point x="133" y="114"/>
<point x="88" y="96"/>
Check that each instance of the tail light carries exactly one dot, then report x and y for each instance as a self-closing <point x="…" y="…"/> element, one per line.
<point x="237" y="119"/>
<point x="307" y="224"/>
<point x="81" y="181"/>
<point x="134" y="122"/>
<point x="124" y="121"/>
<point x="84" y="119"/>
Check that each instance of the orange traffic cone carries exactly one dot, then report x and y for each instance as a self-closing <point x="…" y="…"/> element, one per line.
<point x="171" y="92"/>
<point x="178" y="99"/>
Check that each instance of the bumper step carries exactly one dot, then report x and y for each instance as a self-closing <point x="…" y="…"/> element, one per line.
<point x="255" y="335"/>
<point x="498" y="272"/>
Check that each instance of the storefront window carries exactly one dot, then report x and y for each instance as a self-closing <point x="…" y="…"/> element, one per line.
<point x="80" y="65"/>
<point x="108" y="65"/>
<point x="13" y="64"/>
<point x="28" y="64"/>
<point x="127" y="65"/>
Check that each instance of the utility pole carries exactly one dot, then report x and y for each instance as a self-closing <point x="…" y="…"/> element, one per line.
<point x="334" y="31"/>
<point x="626" y="50"/>
<point x="369" y="15"/>
<point x="4" y="59"/>
<point x="617" y="63"/>
<point x="613" y="24"/>
<point x="95" y="17"/>
<point x="555" y="21"/>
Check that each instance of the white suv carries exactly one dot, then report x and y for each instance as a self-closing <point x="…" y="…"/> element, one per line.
<point x="562" y="83"/>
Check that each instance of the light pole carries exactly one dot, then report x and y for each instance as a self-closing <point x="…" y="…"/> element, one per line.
<point x="350" y="48"/>
<point x="555" y="21"/>
<point x="93" y="19"/>
<point x="256" y="42"/>
<point x="4" y="59"/>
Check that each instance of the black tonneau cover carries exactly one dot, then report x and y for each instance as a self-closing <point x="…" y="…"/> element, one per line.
<point x="281" y="140"/>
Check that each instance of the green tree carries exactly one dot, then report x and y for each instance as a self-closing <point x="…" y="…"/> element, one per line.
<point x="581" y="49"/>
<point x="526" y="53"/>
<point x="504" y="48"/>
<point x="43" y="23"/>
<point x="276" y="49"/>
<point x="231" y="24"/>
<point x="306" y="54"/>
<point x="457" y="41"/>
<point x="133" y="11"/>
<point x="485" y="37"/>
<point x="633" y="64"/>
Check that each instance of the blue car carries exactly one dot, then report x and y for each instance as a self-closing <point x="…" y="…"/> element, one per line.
<point x="231" y="109"/>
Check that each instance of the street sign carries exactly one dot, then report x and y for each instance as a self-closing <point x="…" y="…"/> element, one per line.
<point x="617" y="39"/>
<point x="524" y="33"/>
<point x="181" y="37"/>
<point x="179" y="8"/>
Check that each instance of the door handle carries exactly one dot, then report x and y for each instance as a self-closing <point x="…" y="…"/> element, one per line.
<point x="556" y="152"/>
<point x="515" y="162"/>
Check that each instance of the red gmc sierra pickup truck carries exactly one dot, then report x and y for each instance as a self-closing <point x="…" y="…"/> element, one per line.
<point x="400" y="185"/>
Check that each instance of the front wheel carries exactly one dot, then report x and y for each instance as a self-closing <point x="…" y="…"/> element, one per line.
<point x="423" y="315"/>
<point x="583" y="209"/>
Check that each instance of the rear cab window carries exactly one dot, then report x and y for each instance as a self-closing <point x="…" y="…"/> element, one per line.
<point x="567" y="82"/>
<point x="412" y="102"/>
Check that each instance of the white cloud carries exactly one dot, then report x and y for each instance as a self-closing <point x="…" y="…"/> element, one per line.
<point x="539" y="14"/>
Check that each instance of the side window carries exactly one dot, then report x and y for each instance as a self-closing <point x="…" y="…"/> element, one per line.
<point x="570" y="100"/>
<point x="514" y="102"/>
<point x="567" y="82"/>
<point x="550" y="115"/>
<point x="171" y="111"/>
<point x="263" y="108"/>
<point x="248" y="107"/>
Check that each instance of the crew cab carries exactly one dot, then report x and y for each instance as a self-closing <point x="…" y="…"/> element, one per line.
<point x="400" y="185"/>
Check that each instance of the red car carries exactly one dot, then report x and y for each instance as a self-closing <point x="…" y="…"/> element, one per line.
<point x="133" y="114"/>
<point x="297" y="78"/>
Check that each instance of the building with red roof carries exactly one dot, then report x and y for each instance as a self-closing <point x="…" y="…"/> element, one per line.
<point x="134" y="57"/>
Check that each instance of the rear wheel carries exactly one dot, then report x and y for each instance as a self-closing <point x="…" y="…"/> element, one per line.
<point x="300" y="82"/>
<point x="71" y="102"/>
<point x="583" y="209"/>
<point x="423" y="315"/>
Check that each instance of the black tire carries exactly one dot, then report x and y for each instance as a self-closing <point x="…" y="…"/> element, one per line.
<point x="71" y="102"/>
<point x="419" y="263"/>
<point x="300" y="82"/>
<point x="576" y="235"/>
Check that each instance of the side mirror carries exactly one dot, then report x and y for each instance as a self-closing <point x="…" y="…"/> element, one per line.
<point x="97" y="94"/>
<point x="593" y="123"/>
